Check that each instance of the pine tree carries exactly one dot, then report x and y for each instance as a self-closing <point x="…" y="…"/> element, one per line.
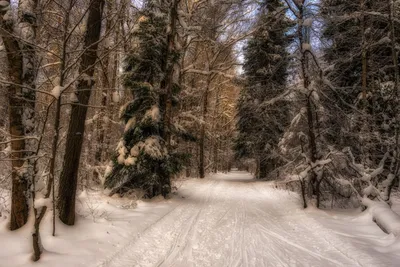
<point x="146" y="158"/>
<point x="261" y="121"/>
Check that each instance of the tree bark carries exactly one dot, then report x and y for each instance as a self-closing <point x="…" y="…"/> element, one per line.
<point x="391" y="10"/>
<point x="202" y="138"/>
<point x="17" y="105"/>
<point x="263" y="169"/>
<point x="215" y="130"/>
<point x="166" y="86"/>
<point x="69" y="174"/>
<point x="106" y="83"/>
<point x="309" y="105"/>
<point x="363" y="55"/>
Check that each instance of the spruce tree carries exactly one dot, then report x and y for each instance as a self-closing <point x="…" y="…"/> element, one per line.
<point x="349" y="28"/>
<point x="145" y="159"/>
<point x="261" y="121"/>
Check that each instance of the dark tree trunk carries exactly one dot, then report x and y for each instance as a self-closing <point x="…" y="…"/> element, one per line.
<point x="17" y="105"/>
<point x="257" y="171"/>
<point x="76" y="128"/>
<point x="263" y="171"/>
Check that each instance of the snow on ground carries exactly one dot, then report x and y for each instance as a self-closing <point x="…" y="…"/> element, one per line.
<point x="226" y="220"/>
<point x="104" y="225"/>
<point x="358" y="230"/>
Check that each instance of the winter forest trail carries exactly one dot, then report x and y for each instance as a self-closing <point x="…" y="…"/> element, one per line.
<point x="232" y="220"/>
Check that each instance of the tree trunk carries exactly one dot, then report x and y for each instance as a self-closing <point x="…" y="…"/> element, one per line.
<point x="391" y="9"/>
<point x="76" y="128"/>
<point x="263" y="169"/>
<point x="17" y="106"/>
<point x="257" y="171"/>
<point x="106" y="83"/>
<point x="202" y="138"/>
<point x="27" y="25"/>
<point x="309" y="105"/>
<point x="166" y="86"/>
<point x="215" y="130"/>
<point x="363" y="55"/>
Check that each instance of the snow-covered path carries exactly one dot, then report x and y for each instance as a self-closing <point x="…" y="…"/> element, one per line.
<point x="230" y="220"/>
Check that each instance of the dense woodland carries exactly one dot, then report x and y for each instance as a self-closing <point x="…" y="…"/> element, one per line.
<point x="127" y="96"/>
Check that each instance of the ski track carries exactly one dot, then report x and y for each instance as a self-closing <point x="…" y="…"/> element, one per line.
<point x="234" y="221"/>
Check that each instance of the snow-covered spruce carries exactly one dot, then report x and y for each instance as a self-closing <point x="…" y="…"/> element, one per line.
<point x="145" y="158"/>
<point x="142" y="159"/>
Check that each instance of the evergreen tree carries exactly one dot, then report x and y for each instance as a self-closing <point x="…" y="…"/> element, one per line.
<point x="262" y="113"/>
<point x="145" y="159"/>
<point x="350" y="28"/>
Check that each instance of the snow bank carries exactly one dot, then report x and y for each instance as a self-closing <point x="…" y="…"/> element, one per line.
<point x="104" y="225"/>
<point x="383" y="215"/>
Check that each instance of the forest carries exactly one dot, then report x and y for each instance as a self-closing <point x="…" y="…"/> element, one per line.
<point x="184" y="132"/>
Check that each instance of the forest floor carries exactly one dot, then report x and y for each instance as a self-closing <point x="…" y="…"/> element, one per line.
<point x="225" y="220"/>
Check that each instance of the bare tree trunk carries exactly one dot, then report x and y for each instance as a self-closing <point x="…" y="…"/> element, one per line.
<point x="309" y="105"/>
<point x="363" y="55"/>
<point x="215" y="130"/>
<point x="17" y="104"/>
<point x="27" y="26"/>
<point x="263" y="169"/>
<point x="202" y="138"/>
<point x="114" y="83"/>
<point x="391" y="9"/>
<point x="69" y="174"/>
<point x="166" y="85"/>
<point x="40" y="212"/>
<point x="257" y="172"/>
<point x="106" y="83"/>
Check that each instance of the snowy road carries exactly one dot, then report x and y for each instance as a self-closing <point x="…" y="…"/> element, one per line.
<point x="230" y="220"/>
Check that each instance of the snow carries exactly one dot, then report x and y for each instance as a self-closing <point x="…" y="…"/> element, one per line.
<point x="4" y="4"/>
<point x="108" y="171"/>
<point x="153" y="147"/>
<point x="73" y="98"/>
<point x="153" y="113"/>
<point x="223" y="220"/>
<point x="383" y="215"/>
<point x="116" y="97"/>
<point x="8" y="15"/>
<point x="121" y="149"/>
<point x="150" y="146"/>
<point x="306" y="47"/>
<point x="307" y="22"/>
<point x="129" y="161"/>
<point x="384" y="40"/>
<point x="57" y="91"/>
<point x="130" y="124"/>
<point x="43" y="202"/>
<point x="87" y="79"/>
<point x="315" y="95"/>
<point x="6" y="151"/>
